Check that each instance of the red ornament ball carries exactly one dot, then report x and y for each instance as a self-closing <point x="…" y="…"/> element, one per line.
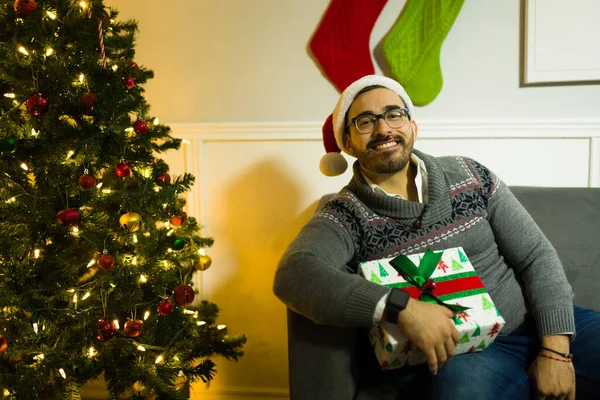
<point x="37" y="104"/>
<point x="25" y="7"/>
<point x="178" y="220"/>
<point x="133" y="327"/>
<point x="3" y="344"/>
<point x="140" y="127"/>
<point x="129" y="82"/>
<point x="163" y="179"/>
<point x="106" y="329"/>
<point x="68" y="216"/>
<point x="87" y="182"/>
<point x="106" y="261"/>
<point x="165" y="307"/>
<point x="90" y="101"/>
<point x="184" y="295"/>
<point x="123" y="170"/>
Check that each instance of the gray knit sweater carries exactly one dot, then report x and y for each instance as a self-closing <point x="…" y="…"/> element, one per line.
<point x="468" y="206"/>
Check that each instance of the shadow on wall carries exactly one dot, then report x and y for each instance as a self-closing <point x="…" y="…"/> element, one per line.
<point x="259" y="214"/>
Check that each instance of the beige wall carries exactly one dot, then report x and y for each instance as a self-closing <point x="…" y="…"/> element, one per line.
<point x="234" y="79"/>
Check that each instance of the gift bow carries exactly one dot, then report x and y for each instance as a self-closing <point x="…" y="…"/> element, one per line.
<point x="421" y="277"/>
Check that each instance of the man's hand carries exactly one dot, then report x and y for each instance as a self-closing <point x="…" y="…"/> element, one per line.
<point x="553" y="379"/>
<point x="430" y="328"/>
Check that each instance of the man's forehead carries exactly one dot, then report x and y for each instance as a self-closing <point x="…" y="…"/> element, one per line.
<point x="378" y="98"/>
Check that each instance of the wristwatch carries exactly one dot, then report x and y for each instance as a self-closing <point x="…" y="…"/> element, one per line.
<point x="396" y="302"/>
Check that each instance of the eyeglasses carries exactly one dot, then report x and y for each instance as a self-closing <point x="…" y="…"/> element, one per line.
<point x="367" y="123"/>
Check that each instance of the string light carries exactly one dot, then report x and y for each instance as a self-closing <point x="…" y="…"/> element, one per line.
<point x="24" y="167"/>
<point x="39" y="357"/>
<point x="115" y="67"/>
<point x="91" y="352"/>
<point x="70" y="153"/>
<point x="91" y="263"/>
<point x="49" y="51"/>
<point x="147" y="173"/>
<point x="202" y="252"/>
<point x="169" y="250"/>
<point x="81" y="77"/>
<point x="141" y="348"/>
<point x="220" y="327"/>
<point x="186" y="311"/>
<point x="83" y="4"/>
<point x="116" y="322"/>
<point x="6" y="392"/>
<point x="75" y="298"/>
<point x="147" y="234"/>
<point x="165" y="205"/>
<point x="11" y="200"/>
<point x="34" y="133"/>
<point x="156" y="121"/>
<point x="36" y="253"/>
<point x="170" y="232"/>
<point x="159" y="359"/>
<point x="135" y="240"/>
<point x="35" y="327"/>
<point x="200" y="323"/>
<point x="75" y="231"/>
<point x="98" y="186"/>
<point x="143" y="278"/>
<point x="134" y="261"/>
<point x="166" y="263"/>
<point x="86" y="295"/>
<point x="62" y="373"/>
<point x="146" y="315"/>
<point x="156" y="189"/>
<point x="51" y="14"/>
<point x="23" y="50"/>
<point x="9" y="95"/>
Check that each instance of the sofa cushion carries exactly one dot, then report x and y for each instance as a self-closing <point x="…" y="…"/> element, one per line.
<point x="570" y="218"/>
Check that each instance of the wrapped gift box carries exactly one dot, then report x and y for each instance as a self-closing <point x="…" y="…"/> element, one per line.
<point x="452" y="280"/>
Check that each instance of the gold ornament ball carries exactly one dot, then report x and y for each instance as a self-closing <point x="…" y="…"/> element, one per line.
<point x="131" y="222"/>
<point x="203" y="264"/>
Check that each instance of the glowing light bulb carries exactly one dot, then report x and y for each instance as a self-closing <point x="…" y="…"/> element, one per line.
<point x="159" y="359"/>
<point x="9" y="95"/>
<point x="85" y="296"/>
<point x="62" y="373"/>
<point x="75" y="298"/>
<point x="36" y="253"/>
<point x="11" y="200"/>
<point x="91" y="263"/>
<point x="34" y="133"/>
<point x="143" y="278"/>
<point x="200" y="323"/>
<point x="23" y="50"/>
<point x="51" y="14"/>
<point x="92" y="352"/>
<point x="141" y="348"/>
<point x="115" y="67"/>
<point x="70" y="153"/>
<point x="202" y="252"/>
<point x="81" y="77"/>
<point x="146" y="315"/>
<point x="98" y="186"/>
<point x="24" y="167"/>
<point x="135" y="240"/>
<point x="156" y="121"/>
<point x="49" y="51"/>
<point x="116" y="322"/>
<point x="220" y="327"/>
<point x="35" y="327"/>
<point x="83" y="5"/>
<point x="39" y="357"/>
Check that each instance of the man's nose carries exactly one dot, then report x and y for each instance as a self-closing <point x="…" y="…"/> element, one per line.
<point x="381" y="126"/>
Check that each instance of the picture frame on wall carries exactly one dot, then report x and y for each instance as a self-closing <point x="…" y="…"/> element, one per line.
<point x="559" y="43"/>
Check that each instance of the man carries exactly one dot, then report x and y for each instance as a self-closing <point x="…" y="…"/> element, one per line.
<point x="402" y="201"/>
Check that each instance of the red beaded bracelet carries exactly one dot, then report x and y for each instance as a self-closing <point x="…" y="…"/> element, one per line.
<point x="554" y="358"/>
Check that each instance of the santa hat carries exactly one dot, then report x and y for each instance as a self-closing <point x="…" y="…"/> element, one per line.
<point x="333" y="163"/>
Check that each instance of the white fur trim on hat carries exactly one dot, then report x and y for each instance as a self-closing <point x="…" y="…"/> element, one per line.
<point x="348" y="96"/>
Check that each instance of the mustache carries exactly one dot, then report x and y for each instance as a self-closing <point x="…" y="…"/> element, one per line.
<point x="378" y="141"/>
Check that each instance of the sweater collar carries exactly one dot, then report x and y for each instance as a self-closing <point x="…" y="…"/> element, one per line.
<point x="437" y="208"/>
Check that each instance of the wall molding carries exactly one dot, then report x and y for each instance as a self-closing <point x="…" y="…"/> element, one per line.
<point x="428" y="130"/>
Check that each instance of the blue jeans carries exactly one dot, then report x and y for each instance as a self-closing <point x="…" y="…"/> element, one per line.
<point x="500" y="371"/>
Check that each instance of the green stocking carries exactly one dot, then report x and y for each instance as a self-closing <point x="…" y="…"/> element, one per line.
<point x="412" y="47"/>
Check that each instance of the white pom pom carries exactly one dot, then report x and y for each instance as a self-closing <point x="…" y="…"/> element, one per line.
<point x="333" y="164"/>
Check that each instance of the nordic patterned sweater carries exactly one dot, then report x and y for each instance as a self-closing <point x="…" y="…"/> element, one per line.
<point x="468" y="206"/>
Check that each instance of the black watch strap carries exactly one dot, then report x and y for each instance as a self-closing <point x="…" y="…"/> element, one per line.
<point x="396" y="302"/>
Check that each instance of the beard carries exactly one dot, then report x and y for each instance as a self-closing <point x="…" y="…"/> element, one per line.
<point x="386" y="162"/>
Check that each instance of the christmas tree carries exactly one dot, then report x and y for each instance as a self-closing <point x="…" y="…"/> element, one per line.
<point x="96" y="252"/>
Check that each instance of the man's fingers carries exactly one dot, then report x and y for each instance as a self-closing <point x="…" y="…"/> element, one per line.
<point x="442" y="357"/>
<point x="450" y="348"/>
<point x="455" y="335"/>
<point x="432" y="361"/>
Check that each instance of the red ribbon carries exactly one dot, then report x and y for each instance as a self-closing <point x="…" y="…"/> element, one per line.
<point x="447" y="287"/>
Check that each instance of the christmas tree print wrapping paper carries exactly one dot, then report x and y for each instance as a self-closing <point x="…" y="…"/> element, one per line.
<point x="436" y="277"/>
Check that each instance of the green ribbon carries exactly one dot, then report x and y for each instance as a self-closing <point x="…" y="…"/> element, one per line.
<point x="419" y="276"/>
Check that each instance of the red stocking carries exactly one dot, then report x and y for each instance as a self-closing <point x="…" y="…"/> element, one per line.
<point x="341" y="42"/>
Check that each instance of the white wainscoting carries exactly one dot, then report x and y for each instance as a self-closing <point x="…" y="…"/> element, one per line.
<point x="257" y="184"/>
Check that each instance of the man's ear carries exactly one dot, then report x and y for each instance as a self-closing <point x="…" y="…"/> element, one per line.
<point x="348" y="144"/>
<point x="415" y="129"/>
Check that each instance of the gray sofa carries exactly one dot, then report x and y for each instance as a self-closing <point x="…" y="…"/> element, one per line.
<point x="570" y="218"/>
